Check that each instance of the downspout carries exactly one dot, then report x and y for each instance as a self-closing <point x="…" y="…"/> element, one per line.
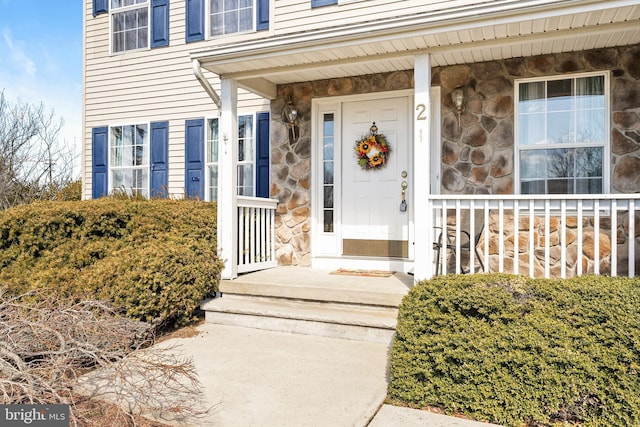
<point x="197" y="71"/>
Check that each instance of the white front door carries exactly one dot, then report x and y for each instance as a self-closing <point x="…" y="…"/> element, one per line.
<point x="373" y="223"/>
<point x="357" y="218"/>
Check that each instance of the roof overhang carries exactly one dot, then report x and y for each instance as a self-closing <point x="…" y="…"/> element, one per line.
<point x="487" y="31"/>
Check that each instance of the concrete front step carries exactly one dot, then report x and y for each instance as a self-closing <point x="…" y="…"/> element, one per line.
<point x="310" y="291"/>
<point x="332" y="319"/>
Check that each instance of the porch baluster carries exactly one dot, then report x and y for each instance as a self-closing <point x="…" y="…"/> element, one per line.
<point x="532" y="220"/>
<point x="487" y="234"/>
<point x="457" y="231"/>
<point x="472" y="234"/>
<point x="596" y="236"/>
<point x="516" y="237"/>
<point x="563" y="238"/>
<point x="579" y="237"/>
<point x="632" y="237"/>
<point x="614" y="237"/>
<point x="501" y="235"/>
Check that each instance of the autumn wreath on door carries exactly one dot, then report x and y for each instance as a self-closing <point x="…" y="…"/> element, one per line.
<point x="372" y="150"/>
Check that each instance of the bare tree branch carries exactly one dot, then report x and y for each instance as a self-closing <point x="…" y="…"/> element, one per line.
<point x="33" y="161"/>
<point x="54" y="351"/>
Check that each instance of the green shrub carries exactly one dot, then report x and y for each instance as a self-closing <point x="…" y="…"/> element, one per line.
<point x="156" y="259"/>
<point x="519" y="351"/>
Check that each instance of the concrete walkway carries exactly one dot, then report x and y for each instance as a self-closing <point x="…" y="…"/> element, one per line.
<point x="265" y="378"/>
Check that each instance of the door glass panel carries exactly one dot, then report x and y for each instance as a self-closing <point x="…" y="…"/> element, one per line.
<point x="328" y="163"/>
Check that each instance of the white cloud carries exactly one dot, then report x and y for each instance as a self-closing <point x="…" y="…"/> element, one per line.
<point x="18" y="55"/>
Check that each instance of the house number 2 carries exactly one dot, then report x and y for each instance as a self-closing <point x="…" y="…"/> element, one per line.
<point x="421" y="109"/>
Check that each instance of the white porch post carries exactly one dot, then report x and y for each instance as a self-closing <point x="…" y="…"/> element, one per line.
<point x="423" y="246"/>
<point x="228" y="180"/>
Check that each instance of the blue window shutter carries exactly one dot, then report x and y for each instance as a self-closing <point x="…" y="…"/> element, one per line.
<point x="195" y="20"/>
<point x="194" y="158"/>
<point x="159" y="23"/>
<point x="100" y="6"/>
<point x="99" y="162"/>
<point x="262" y="15"/>
<point x="159" y="159"/>
<point x="318" y="3"/>
<point x="262" y="155"/>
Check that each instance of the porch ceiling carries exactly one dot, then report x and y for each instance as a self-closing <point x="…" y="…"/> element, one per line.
<point x="488" y="31"/>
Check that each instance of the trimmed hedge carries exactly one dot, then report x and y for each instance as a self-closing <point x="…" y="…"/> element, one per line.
<point x="519" y="351"/>
<point x="155" y="258"/>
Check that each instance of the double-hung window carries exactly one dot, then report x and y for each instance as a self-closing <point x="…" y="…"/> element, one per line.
<point x="216" y="18"/>
<point x="129" y="25"/>
<point x="231" y="16"/>
<point x="562" y="141"/>
<point x="129" y="159"/>
<point x="212" y="160"/>
<point x="246" y="157"/>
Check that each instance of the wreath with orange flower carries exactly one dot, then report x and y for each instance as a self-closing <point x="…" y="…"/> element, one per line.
<point x="372" y="150"/>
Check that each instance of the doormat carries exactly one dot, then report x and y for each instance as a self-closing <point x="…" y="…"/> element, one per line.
<point x="365" y="273"/>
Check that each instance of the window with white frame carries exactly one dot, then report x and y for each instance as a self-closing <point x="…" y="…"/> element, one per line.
<point x="212" y="160"/>
<point x="129" y="159"/>
<point x="562" y="134"/>
<point x="246" y="157"/>
<point x="231" y="16"/>
<point x="129" y="25"/>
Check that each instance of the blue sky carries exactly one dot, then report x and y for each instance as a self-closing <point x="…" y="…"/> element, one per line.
<point x="41" y="58"/>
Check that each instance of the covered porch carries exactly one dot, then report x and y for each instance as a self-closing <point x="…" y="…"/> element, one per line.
<point x="540" y="236"/>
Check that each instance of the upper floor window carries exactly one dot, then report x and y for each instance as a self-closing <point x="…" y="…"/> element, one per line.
<point x="562" y="134"/>
<point x="215" y="18"/>
<point x="319" y="3"/>
<point x="129" y="159"/>
<point x="231" y="16"/>
<point x="129" y="25"/>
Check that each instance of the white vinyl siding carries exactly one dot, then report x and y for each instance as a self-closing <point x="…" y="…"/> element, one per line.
<point x="145" y="86"/>
<point x="295" y="15"/>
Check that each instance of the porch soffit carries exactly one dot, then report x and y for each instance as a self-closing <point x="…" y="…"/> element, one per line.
<point x="579" y="25"/>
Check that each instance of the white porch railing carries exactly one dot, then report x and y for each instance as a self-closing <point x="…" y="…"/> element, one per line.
<point x="538" y="236"/>
<point x="256" y="233"/>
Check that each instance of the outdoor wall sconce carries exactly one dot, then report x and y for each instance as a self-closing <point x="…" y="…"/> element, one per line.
<point x="290" y="117"/>
<point x="457" y="97"/>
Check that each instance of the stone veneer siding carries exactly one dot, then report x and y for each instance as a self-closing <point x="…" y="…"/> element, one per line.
<point x="477" y="158"/>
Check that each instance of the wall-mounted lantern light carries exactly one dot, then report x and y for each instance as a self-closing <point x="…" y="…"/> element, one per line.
<point x="457" y="97"/>
<point x="290" y="117"/>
